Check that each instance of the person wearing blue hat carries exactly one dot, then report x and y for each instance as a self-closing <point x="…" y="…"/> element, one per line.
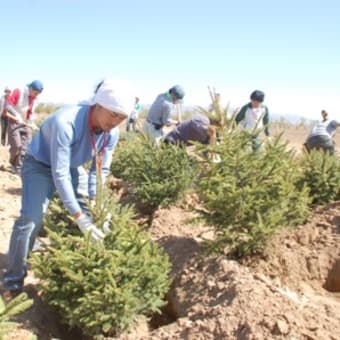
<point x="160" y="112"/>
<point x="254" y="116"/>
<point x="19" y="109"/>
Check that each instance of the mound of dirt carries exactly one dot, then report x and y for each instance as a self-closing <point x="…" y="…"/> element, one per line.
<point x="308" y="257"/>
<point x="285" y="296"/>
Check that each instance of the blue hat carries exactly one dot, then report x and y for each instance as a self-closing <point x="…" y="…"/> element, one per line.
<point x="36" y="85"/>
<point x="178" y="91"/>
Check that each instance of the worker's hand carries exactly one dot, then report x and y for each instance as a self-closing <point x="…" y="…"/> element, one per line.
<point x="216" y="158"/>
<point x="106" y="225"/>
<point x="86" y="225"/>
<point x="34" y="126"/>
<point x="19" y="120"/>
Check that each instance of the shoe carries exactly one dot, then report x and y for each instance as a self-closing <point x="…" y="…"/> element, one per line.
<point x="15" y="170"/>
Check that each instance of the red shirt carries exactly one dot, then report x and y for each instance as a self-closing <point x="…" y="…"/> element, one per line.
<point x="14" y="98"/>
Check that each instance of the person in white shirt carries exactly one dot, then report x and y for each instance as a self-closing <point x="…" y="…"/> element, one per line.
<point x="321" y="136"/>
<point x="133" y="117"/>
<point x="254" y="115"/>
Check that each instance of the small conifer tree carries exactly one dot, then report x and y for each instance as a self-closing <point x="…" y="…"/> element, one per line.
<point x="16" y="306"/>
<point x="101" y="288"/>
<point x="321" y="174"/>
<point x="158" y="175"/>
<point x="248" y="195"/>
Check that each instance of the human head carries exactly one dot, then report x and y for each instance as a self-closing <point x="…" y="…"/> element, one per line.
<point x="35" y="88"/>
<point x="257" y="97"/>
<point x="324" y="114"/>
<point x="177" y="93"/>
<point x="215" y="122"/>
<point x="136" y="100"/>
<point x="110" y="105"/>
<point x="7" y="91"/>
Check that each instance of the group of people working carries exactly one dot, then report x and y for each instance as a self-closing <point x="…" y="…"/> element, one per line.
<point x="202" y="128"/>
<point x="74" y="135"/>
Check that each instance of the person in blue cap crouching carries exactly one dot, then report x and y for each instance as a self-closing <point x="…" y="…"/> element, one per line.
<point x="159" y="114"/>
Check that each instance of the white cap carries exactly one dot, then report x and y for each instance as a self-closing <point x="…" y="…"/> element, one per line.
<point x="113" y="96"/>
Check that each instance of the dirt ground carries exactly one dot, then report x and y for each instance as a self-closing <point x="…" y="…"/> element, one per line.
<point x="293" y="292"/>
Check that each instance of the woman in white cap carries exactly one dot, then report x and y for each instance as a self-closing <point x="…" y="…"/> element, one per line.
<point x="67" y="139"/>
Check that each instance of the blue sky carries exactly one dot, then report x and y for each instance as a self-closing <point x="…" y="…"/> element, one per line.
<point x="289" y="49"/>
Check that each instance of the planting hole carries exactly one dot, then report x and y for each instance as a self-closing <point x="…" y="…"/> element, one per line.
<point x="332" y="283"/>
<point x="167" y="317"/>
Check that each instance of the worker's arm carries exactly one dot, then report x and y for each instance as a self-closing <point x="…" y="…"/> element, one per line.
<point x="166" y="112"/>
<point x="241" y="115"/>
<point x="212" y="134"/>
<point x="13" y="100"/>
<point x="265" y="121"/>
<point x="60" y="150"/>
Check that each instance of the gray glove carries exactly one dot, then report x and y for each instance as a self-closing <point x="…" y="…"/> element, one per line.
<point x="86" y="225"/>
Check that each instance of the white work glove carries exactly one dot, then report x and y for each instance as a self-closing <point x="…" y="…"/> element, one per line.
<point x="86" y="225"/>
<point x="106" y="225"/>
<point x="216" y="158"/>
<point x="19" y="120"/>
<point x="34" y="126"/>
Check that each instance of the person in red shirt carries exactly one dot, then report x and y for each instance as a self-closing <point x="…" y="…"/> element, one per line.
<point x="19" y="109"/>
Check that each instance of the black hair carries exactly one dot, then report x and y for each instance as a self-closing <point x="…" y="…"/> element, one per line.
<point x="98" y="86"/>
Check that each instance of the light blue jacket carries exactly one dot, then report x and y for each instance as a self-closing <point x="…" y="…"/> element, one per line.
<point x="64" y="142"/>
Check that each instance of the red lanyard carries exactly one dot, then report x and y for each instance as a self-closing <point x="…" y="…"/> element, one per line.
<point x="99" y="154"/>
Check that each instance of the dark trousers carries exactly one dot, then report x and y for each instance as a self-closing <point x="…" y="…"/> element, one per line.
<point x="133" y="122"/>
<point x="19" y="136"/>
<point x="320" y="143"/>
<point x="4" y="129"/>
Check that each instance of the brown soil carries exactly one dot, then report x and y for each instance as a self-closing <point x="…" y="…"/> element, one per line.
<point x="291" y="293"/>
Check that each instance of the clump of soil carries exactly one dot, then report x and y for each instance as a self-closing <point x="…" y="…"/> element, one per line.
<point x="287" y="295"/>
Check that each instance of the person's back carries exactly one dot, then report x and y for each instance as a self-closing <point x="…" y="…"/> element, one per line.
<point x="193" y="130"/>
<point x="160" y="110"/>
<point x="72" y="123"/>
<point x="321" y="136"/>
<point x="325" y="128"/>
